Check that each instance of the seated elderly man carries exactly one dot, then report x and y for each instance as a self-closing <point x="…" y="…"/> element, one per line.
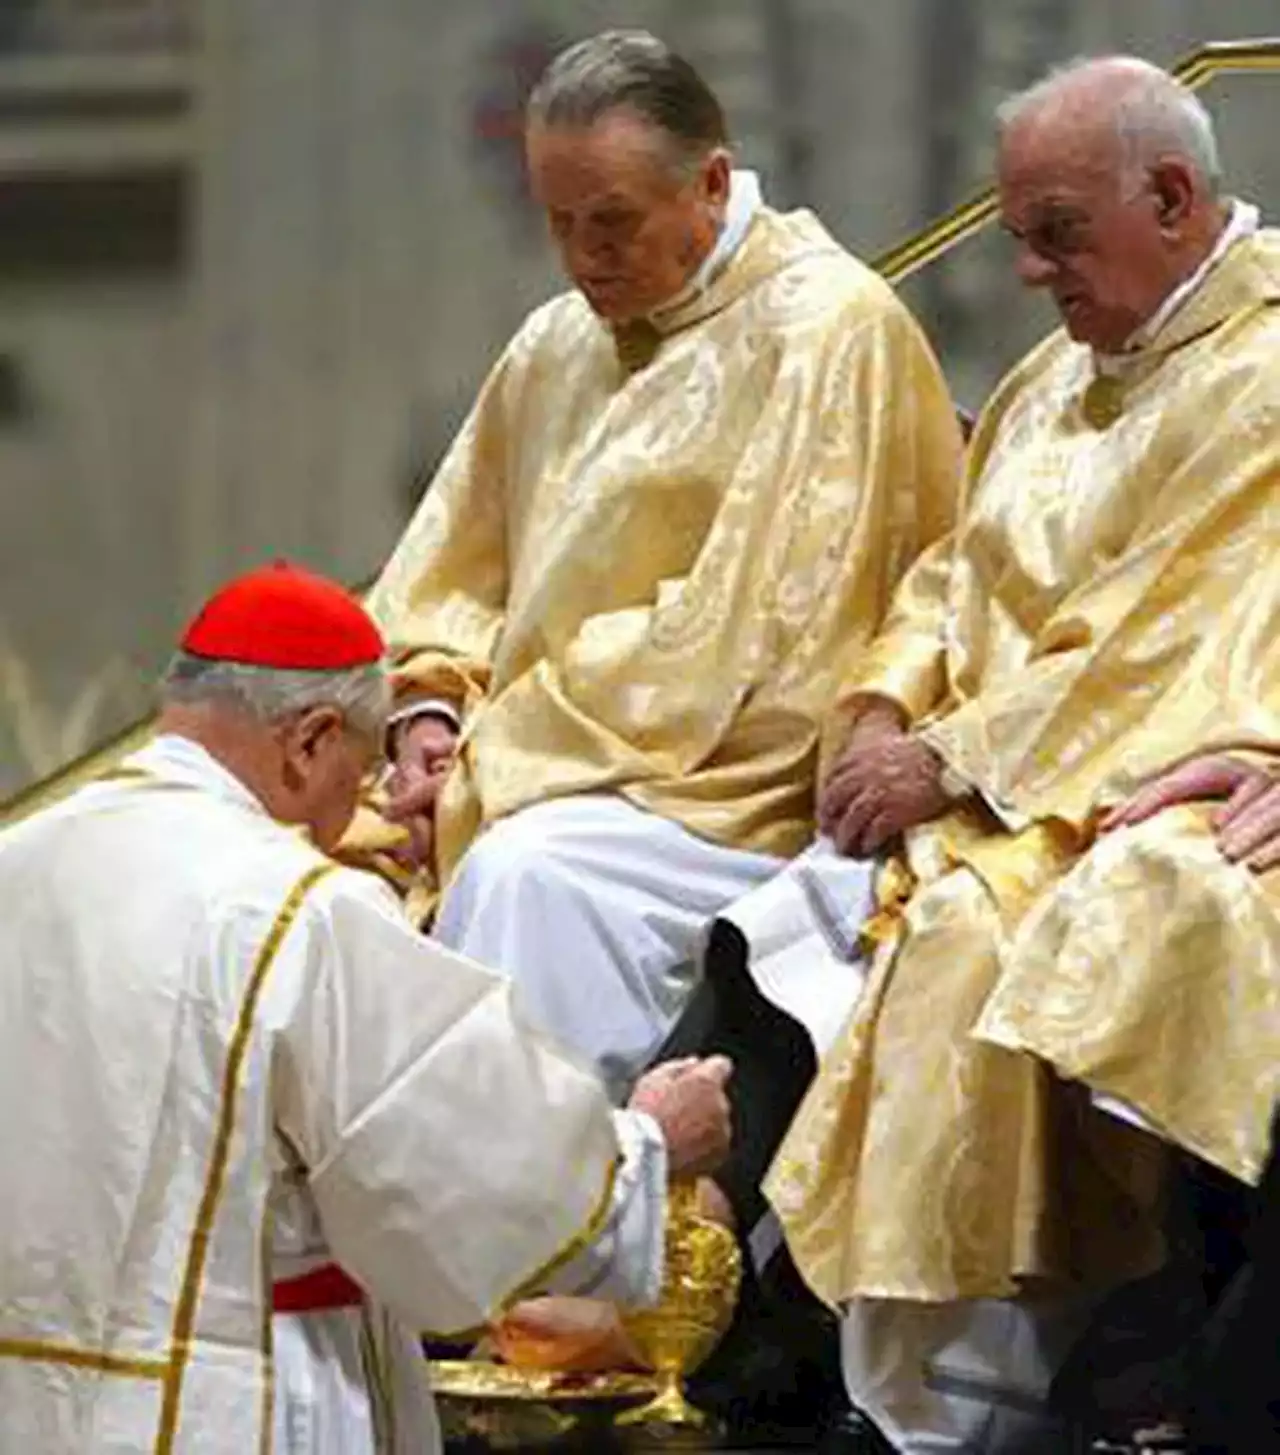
<point x="1102" y="611"/>
<point x="684" y="497"/>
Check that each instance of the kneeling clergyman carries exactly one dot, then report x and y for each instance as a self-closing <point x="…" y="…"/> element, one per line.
<point x="236" y="1079"/>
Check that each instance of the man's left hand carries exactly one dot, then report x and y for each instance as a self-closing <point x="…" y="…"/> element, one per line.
<point x="425" y="749"/>
<point x="890" y="785"/>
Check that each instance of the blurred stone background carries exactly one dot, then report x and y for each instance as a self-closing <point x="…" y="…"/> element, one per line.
<point x="255" y="258"/>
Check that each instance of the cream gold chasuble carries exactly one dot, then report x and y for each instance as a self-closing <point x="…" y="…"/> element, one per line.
<point x="647" y="552"/>
<point x="1109" y="606"/>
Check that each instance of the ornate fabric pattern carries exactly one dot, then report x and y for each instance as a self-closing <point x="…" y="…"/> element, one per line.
<point x="648" y="579"/>
<point x="1108" y="607"/>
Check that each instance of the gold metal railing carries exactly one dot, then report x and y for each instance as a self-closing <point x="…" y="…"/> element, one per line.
<point x="1218" y="58"/>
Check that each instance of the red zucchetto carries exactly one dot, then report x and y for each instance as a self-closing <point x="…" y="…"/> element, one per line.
<point x="285" y="618"/>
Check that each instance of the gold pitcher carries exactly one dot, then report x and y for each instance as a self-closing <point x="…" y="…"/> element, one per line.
<point x="699" y="1295"/>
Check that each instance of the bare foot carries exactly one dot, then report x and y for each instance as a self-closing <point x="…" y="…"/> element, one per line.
<point x="570" y="1335"/>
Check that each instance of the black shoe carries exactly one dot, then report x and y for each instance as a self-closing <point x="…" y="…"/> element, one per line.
<point x="771" y="1396"/>
<point x="850" y="1432"/>
<point x="773" y="1385"/>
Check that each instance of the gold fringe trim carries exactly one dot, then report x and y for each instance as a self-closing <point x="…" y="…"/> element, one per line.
<point x="578" y="1243"/>
<point x="129" y="1366"/>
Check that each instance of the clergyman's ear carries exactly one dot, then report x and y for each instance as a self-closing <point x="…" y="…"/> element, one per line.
<point x="717" y="176"/>
<point x="1175" y="191"/>
<point x="313" y="728"/>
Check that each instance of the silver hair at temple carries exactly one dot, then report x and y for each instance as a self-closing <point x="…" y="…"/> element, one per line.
<point x="361" y="694"/>
<point x="636" y="70"/>
<point x="1154" y="114"/>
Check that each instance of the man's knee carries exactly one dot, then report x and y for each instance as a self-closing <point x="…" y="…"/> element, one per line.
<point x="1164" y="839"/>
<point x="509" y="884"/>
<point x="514" y="852"/>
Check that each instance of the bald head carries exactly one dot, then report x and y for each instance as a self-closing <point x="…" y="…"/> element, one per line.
<point x="1125" y="108"/>
<point x="1109" y="178"/>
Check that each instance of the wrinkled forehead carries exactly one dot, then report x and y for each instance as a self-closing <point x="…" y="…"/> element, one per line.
<point x="1064" y="161"/>
<point x="619" y="154"/>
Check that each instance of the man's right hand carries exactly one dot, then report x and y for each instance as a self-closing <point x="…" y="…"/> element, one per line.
<point x="879" y="721"/>
<point x="688" y="1101"/>
<point x="884" y="782"/>
<point x="425" y="748"/>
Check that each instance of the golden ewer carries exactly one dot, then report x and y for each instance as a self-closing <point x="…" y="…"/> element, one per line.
<point x="699" y="1295"/>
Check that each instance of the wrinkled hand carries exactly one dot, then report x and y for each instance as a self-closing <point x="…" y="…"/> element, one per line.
<point x="1247" y="826"/>
<point x="688" y="1101"/>
<point x="877" y="723"/>
<point x="425" y="753"/>
<point x="1198" y="781"/>
<point x="886" y="782"/>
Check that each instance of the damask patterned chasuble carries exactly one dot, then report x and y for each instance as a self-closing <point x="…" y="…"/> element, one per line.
<point x="641" y="569"/>
<point x="1110" y="606"/>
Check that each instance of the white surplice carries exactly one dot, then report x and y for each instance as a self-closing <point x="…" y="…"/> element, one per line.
<point x="599" y="912"/>
<point x="225" y="1060"/>
<point x="802" y="931"/>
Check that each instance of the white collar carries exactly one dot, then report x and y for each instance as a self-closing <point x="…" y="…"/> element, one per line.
<point x="181" y="760"/>
<point x="744" y="202"/>
<point x="1243" y="221"/>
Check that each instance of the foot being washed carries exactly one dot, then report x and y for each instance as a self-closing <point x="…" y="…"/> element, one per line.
<point x="577" y="1335"/>
<point x="585" y="1335"/>
<point x="570" y="1335"/>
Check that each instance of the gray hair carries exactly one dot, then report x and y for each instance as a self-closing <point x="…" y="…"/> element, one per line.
<point x="1154" y="114"/>
<point x="361" y="694"/>
<point x="636" y="70"/>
